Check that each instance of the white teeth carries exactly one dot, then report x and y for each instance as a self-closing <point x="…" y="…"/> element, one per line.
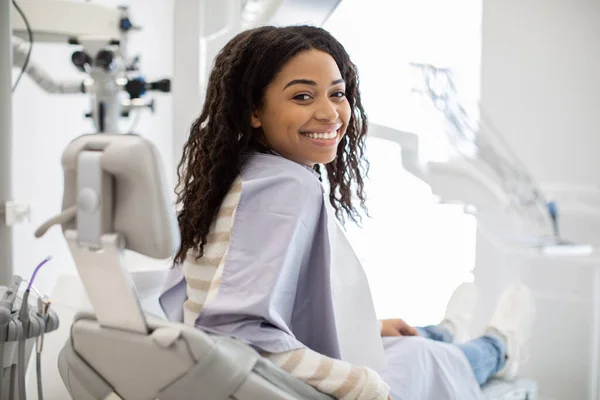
<point x="322" y="136"/>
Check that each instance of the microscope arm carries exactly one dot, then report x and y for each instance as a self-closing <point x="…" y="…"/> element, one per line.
<point x="39" y="75"/>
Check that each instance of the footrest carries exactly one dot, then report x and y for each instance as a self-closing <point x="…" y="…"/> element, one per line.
<point x="520" y="389"/>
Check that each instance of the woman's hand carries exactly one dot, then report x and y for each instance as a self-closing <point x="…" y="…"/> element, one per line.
<point x="397" y="327"/>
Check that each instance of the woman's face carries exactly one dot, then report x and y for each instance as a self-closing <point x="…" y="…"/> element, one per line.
<point x="305" y="112"/>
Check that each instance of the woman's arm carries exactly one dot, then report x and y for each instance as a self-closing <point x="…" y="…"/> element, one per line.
<point x="337" y="378"/>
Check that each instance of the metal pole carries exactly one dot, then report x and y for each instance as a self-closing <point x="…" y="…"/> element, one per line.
<point x="6" y="246"/>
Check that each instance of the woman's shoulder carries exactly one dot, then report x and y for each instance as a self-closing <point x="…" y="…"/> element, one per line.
<point x="279" y="182"/>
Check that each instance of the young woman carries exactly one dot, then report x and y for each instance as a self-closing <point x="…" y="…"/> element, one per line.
<point x="258" y="255"/>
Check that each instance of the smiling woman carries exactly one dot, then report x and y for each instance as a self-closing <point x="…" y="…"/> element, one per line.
<point x="257" y="229"/>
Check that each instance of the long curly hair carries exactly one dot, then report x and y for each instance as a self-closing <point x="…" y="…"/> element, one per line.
<point x="222" y="139"/>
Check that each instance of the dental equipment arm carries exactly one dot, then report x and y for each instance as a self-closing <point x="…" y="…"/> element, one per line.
<point x="18" y="326"/>
<point x="28" y="331"/>
<point x="39" y="75"/>
<point x="57" y="21"/>
<point x="24" y="318"/>
<point x="409" y="147"/>
<point x="485" y="159"/>
<point x="102" y="35"/>
<point x="43" y="313"/>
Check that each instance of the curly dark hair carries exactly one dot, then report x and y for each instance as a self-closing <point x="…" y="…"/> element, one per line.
<point x="222" y="139"/>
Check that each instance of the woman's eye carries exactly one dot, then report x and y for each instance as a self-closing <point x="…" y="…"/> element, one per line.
<point x="339" y="94"/>
<point x="302" y="97"/>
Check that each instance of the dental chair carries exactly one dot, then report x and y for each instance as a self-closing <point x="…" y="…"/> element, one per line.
<point x="116" y="198"/>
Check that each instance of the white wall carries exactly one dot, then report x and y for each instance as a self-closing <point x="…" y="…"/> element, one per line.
<point x="44" y="124"/>
<point x="540" y="85"/>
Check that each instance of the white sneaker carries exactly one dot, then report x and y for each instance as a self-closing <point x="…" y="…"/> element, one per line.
<point x="460" y="311"/>
<point x="512" y="321"/>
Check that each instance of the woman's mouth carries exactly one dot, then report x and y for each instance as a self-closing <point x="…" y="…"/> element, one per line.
<point x="320" y="135"/>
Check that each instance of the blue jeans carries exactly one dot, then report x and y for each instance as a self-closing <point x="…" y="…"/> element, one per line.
<point x="486" y="354"/>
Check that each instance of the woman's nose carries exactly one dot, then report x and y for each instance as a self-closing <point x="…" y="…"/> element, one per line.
<point x="326" y="110"/>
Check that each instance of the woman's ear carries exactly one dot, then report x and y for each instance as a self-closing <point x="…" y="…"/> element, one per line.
<point x="255" y="120"/>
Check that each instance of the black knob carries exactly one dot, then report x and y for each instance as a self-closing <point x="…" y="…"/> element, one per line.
<point x="104" y="59"/>
<point x="80" y="59"/>
<point x="164" y="85"/>
<point x="136" y="87"/>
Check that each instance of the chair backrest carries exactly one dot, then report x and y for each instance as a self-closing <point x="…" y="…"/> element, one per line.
<point x="142" y="207"/>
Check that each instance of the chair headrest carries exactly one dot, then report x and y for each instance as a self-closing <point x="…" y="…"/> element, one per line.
<point x="143" y="212"/>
